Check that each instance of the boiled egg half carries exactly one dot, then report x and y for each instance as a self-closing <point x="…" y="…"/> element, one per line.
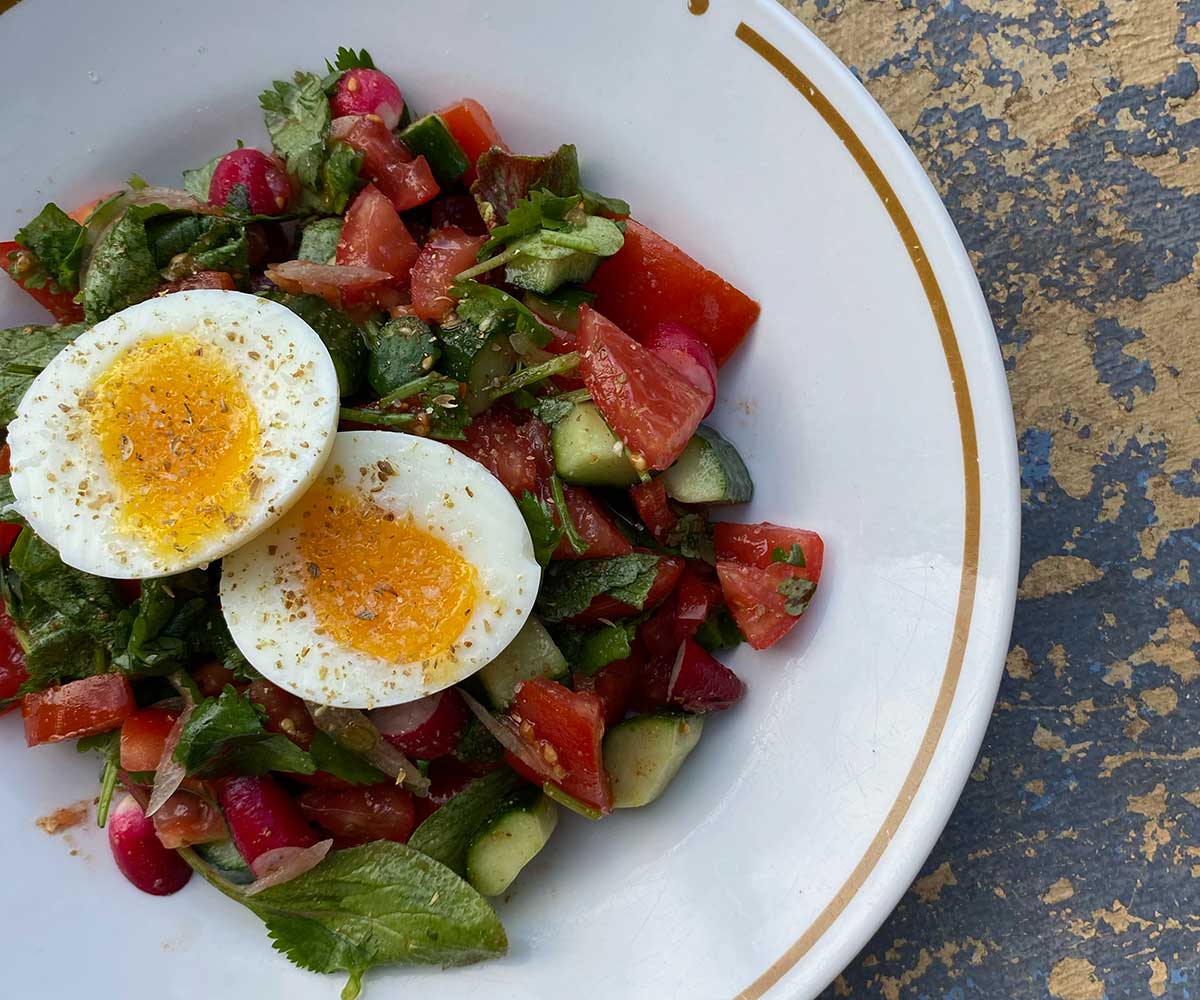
<point x="173" y="432"/>
<point x="403" y="570"/>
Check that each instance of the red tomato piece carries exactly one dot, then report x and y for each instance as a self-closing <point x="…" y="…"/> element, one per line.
<point x="363" y="91"/>
<point x="9" y="533"/>
<point x="472" y="128"/>
<point x="405" y="182"/>
<point x="650" y="692"/>
<point x="651" y="407"/>
<point x="516" y="454"/>
<point x="755" y="545"/>
<point x="650" y="280"/>
<point x="140" y="855"/>
<point x="12" y="657"/>
<point x="564" y="729"/>
<point x="650" y="500"/>
<point x="374" y="236"/>
<point x="263" y="177"/>
<point x="457" y="210"/>
<point x="447" y="777"/>
<point x="595" y="526"/>
<point x="426" y="728"/>
<point x="201" y="279"/>
<point x="211" y="678"/>
<point x="262" y="816"/>
<point x="81" y="708"/>
<point x="695" y="598"/>
<point x="360" y="815"/>
<point x="286" y="713"/>
<point x="187" y="818"/>
<point x="615" y="683"/>
<point x="753" y="596"/>
<point x="336" y="284"/>
<point x="143" y="737"/>
<point x="605" y="607"/>
<point x="448" y="252"/>
<point x="20" y="264"/>
<point x="699" y="682"/>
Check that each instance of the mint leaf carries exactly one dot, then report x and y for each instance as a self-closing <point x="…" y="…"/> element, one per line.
<point x="122" y="270"/>
<point x="225" y="735"/>
<point x="330" y="756"/>
<point x="543" y="527"/>
<point x="167" y="627"/>
<point x="504" y="179"/>
<point x="297" y="118"/>
<point x="58" y="242"/>
<point x="197" y="181"/>
<point x="319" y="240"/>
<point x="446" y="834"/>
<point x="691" y="536"/>
<point x="478" y="746"/>
<point x="798" y="592"/>
<point x="88" y="602"/>
<point x="569" y="587"/>
<point x="794" y="557"/>
<point x="24" y="349"/>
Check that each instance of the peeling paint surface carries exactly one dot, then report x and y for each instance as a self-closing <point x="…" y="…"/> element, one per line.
<point x="1064" y="137"/>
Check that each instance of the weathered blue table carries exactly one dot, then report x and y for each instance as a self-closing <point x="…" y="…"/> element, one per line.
<point x="1064" y="136"/>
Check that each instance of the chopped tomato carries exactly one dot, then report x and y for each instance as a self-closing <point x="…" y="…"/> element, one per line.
<point x="12" y="656"/>
<point x="374" y="236"/>
<point x="756" y="545"/>
<point x="652" y="408"/>
<point x="516" y="454"/>
<point x="472" y="128"/>
<point x="605" y="607"/>
<point x="187" y="818"/>
<point x="595" y="526"/>
<point x="262" y="816"/>
<point x="5" y="460"/>
<point x="143" y="737"/>
<point x="650" y="280"/>
<point x="615" y="683"/>
<point x="359" y="815"/>
<point x="201" y="279"/>
<point x="695" y="598"/>
<point x="286" y="714"/>
<point x="211" y="677"/>
<point x="650" y="499"/>
<point x="563" y="729"/>
<point x="336" y="284"/>
<point x="21" y="265"/>
<point x="758" y="606"/>
<point x="457" y="210"/>
<point x="658" y="632"/>
<point x="699" y="682"/>
<point x="448" y="252"/>
<point x="81" y="708"/>
<point x="405" y="182"/>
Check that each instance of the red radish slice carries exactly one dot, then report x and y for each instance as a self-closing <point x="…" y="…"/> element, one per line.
<point x="283" y="864"/>
<point x="701" y="683"/>
<point x="262" y="816"/>
<point x="683" y="349"/>
<point x="138" y="853"/>
<point x="365" y="91"/>
<point x="426" y="728"/>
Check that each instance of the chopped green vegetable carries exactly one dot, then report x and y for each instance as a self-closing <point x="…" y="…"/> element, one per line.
<point x="719" y="631"/>
<point x="401" y="349"/>
<point x="597" y="203"/>
<point x="429" y="137"/>
<point x="589" y="652"/>
<point x="478" y="746"/>
<point x="492" y="309"/>
<point x="166" y="627"/>
<point x="122" y="270"/>
<point x="198" y="180"/>
<point x="58" y="242"/>
<point x="330" y="756"/>
<point x="339" y="178"/>
<point x="544" y="530"/>
<point x="446" y="834"/>
<point x="540" y="210"/>
<point x="563" y="513"/>
<point x="319" y="240"/>
<point x="569" y="587"/>
<point x="559" y="308"/>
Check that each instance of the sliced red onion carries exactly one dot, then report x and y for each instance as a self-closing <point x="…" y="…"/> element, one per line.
<point x="169" y="774"/>
<point x="505" y="735"/>
<point x="283" y="864"/>
<point x="404" y="718"/>
<point x="356" y="732"/>
<point x="172" y="198"/>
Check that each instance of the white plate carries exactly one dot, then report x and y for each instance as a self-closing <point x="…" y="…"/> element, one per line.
<point x="870" y="404"/>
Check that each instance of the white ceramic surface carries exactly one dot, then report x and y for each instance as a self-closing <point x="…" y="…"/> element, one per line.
<point x="841" y="401"/>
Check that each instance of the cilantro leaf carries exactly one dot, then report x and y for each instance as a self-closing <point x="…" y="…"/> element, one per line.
<point x="793" y="557"/>
<point x="446" y="834"/>
<point x="401" y="349"/>
<point x="187" y="243"/>
<point x="297" y="117"/>
<point x="544" y="529"/>
<point x="569" y="587"/>
<point x="198" y="180"/>
<point x="539" y="210"/>
<point x="58" y="242"/>
<point x="339" y="176"/>
<point x="24" y="349"/>
<point x="225" y="735"/>
<point x="798" y="592"/>
<point x="319" y="240"/>
<point x="504" y="179"/>
<point x="493" y="309"/>
<point x="349" y="59"/>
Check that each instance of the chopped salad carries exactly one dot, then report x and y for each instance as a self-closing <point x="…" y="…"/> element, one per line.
<point x="356" y="514"/>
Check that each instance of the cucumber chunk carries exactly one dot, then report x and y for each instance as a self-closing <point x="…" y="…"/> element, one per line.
<point x="710" y="470"/>
<point x="544" y="276"/>
<point x="509" y="843"/>
<point x="429" y="137"/>
<point x="476" y="357"/>
<point x="532" y="653"/>
<point x="587" y="452"/>
<point x="642" y="755"/>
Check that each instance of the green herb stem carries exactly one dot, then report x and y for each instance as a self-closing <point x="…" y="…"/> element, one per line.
<point x="535" y="373"/>
<point x="564" y="515"/>
<point x="487" y="265"/>
<point x="378" y="419"/>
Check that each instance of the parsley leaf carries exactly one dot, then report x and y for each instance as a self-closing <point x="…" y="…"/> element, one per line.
<point x="297" y="117"/>
<point x="446" y="834"/>
<point x="562" y="511"/>
<point x="58" y="242"/>
<point x="89" y="602"/>
<point x="569" y="587"/>
<point x="22" y="350"/>
<point x="401" y="349"/>
<point x="794" y="557"/>
<point x="798" y="592"/>
<point x="339" y="176"/>
<point x="349" y="59"/>
<point x="198" y="180"/>
<point x="504" y="179"/>
<point x="543" y="528"/>
<point x="225" y="735"/>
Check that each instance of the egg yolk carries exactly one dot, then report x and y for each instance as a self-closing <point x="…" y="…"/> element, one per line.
<point x="378" y="582"/>
<point x="179" y="436"/>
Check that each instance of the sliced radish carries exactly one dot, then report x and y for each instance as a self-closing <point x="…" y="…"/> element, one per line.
<point x="368" y="92"/>
<point x="426" y="728"/>
<point x="138" y="853"/>
<point x="684" y="350"/>
<point x="700" y="682"/>
<point x="262" y="816"/>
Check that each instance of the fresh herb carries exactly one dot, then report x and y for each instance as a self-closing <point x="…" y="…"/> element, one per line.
<point x="432" y="407"/>
<point x="122" y="270"/>
<point x="719" y="631"/>
<point x="544" y="529"/>
<point x="319" y="240"/>
<point x="90" y="602"/>
<point x="32" y="348"/>
<point x="330" y="756"/>
<point x="539" y="210"/>
<point x="136" y="182"/>
<point x="589" y="652"/>
<point x="297" y="118"/>
<point x="349" y="59"/>
<point x="793" y="557"/>
<point x="377" y="904"/>
<point x="402" y="349"/>
<point x="798" y="593"/>
<point x="184" y="244"/>
<point x="337" y="332"/>
<point x="569" y="587"/>
<point x="504" y="179"/>
<point x="446" y="834"/>
<point x="552" y="409"/>
<point x="529" y="375"/>
<point x="599" y="204"/>
<point x="339" y="177"/>
<point x="691" y="536"/>
<point x="198" y="180"/>
<point x="478" y="746"/>
<point x="560" y="307"/>
<point x="109" y="746"/>
<point x="563" y="513"/>
<point x="225" y="735"/>
<point x="166" y="627"/>
<point x="493" y="310"/>
<point x="58" y="242"/>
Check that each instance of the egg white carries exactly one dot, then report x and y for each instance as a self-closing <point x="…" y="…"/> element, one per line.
<point x="60" y="477"/>
<point x="448" y="495"/>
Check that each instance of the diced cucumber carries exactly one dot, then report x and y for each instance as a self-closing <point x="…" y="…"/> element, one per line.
<point x="429" y="137"/>
<point x="642" y="755"/>
<point x="446" y="835"/>
<point x="710" y="470"/>
<point x="587" y="452"/>
<point x="476" y="357"/>
<point x="532" y="653"/>
<point x="539" y="275"/>
<point x="509" y="843"/>
<point x="224" y="857"/>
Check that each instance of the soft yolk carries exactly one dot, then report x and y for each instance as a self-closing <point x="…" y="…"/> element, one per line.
<point x="379" y="583"/>
<point x="179" y="435"/>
